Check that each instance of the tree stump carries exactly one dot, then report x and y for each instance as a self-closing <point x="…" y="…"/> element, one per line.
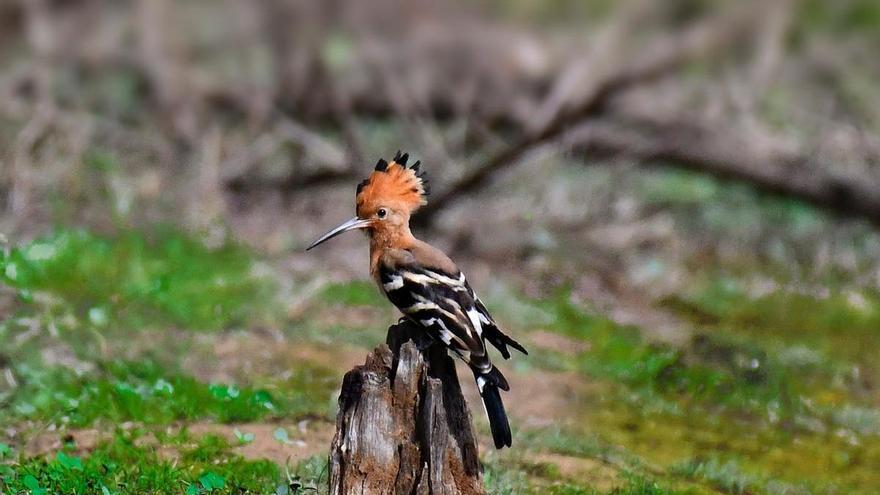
<point x="403" y="426"/>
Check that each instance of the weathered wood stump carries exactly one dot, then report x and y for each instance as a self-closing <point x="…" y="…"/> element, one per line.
<point x="403" y="426"/>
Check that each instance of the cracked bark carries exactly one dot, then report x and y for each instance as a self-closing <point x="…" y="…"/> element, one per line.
<point x="403" y="426"/>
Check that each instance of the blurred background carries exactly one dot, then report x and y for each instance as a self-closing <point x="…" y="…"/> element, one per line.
<point x="674" y="205"/>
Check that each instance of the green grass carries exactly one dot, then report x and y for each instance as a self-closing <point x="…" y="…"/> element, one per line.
<point x="503" y="478"/>
<point x="356" y="293"/>
<point x="126" y="465"/>
<point x="840" y="325"/>
<point x="728" y="476"/>
<point x="728" y="209"/>
<point x="724" y="391"/>
<point x="146" y="392"/>
<point x="137" y="280"/>
<point x="715" y="369"/>
<point x="578" y="444"/>
<point x="724" y="369"/>
<point x="130" y="463"/>
<point x="73" y="280"/>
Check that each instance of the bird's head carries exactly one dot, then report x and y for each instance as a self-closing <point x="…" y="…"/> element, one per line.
<point x="386" y="199"/>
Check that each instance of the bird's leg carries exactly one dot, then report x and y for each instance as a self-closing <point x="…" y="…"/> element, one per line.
<point x="423" y="341"/>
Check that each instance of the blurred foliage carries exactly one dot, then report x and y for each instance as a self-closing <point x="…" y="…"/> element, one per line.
<point x="847" y="17"/>
<point x="758" y="407"/>
<point x="727" y="477"/>
<point x="751" y="235"/>
<point x="357" y="293"/>
<point x="732" y="209"/>
<point x="137" y="280"/>
<point x="149" y="393"/>
<point x="540" y="478"/>
<point x="833" y="325"/>
<point x="713" y="370"/>
<point x="555" y="11"/>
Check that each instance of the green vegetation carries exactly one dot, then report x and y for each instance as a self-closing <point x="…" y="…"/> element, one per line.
<point x="109" y="286"/>
<point x="676" y="407"/>
<point x="146" y="392"/>
<point x="358" y="293"/>
<point x="136" y="280"/>
<point x="762" y="379"/>
<point x="846" y="17"/>
<point x="713" y="370"/>
<point x="708" y="205"/>
<point x="835" y="323"/>
<point x="126" y="465"/>
<point x="727" y="477"/>
<point x="541" y="478"/>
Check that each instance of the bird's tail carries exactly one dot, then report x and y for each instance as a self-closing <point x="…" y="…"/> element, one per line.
<point x="489" y="383"/>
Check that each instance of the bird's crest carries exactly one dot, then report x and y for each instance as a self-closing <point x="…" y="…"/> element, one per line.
<point x="393" y="183"/>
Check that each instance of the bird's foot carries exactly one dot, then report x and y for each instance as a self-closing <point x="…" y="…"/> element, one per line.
<point x="422" y="341"/>
<point x="419" y="337"/>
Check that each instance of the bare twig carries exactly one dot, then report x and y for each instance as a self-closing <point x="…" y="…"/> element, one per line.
<point x="163" y="70"/>
<point x="684" y="141"/>
<point x="582" y="77"/>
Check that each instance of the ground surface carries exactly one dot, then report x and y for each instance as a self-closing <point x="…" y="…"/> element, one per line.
<point x="187" y="368"/>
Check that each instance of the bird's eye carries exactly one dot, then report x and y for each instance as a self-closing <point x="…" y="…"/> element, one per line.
<point x="382" y="212"/>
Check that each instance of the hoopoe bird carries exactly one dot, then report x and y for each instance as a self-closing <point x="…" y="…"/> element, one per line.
<point x="424" y="284"/>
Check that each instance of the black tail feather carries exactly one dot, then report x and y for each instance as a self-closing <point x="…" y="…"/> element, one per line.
<point x="489" y="384"/>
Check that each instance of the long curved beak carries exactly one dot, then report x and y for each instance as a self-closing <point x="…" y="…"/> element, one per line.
<point x="354" y="223"/>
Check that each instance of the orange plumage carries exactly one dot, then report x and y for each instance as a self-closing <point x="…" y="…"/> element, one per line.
<point x="394" y="185"/>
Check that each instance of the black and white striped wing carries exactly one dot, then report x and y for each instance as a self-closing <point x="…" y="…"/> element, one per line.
<point x="492" y="333"/>
<point x="444" y="304"/>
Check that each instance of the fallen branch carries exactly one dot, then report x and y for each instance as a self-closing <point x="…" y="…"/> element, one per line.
<point x="768" y="165"/>
<point x="666" y="56"/>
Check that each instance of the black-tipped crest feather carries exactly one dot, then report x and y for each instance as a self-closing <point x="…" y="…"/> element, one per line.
<point x="392" y="180"/>
<point x="363" y="183"/>
<point x="401" y="158"/>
